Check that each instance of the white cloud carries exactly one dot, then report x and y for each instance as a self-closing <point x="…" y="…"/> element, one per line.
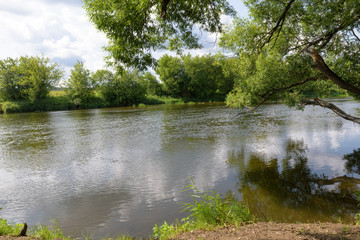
<point x="58" y="29"/>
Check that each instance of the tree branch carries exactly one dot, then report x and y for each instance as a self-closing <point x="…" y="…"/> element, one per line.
<point x="279" y="24"/>
<point x="332" y="107"/>
<point x="324" y="69"/>
<point x="271" y="93"/>
<point x="164" y="5"/>
<point x="355" y="34"/>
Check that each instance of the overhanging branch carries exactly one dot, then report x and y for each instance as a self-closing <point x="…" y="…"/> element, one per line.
<point x="320" y="65"/>
<point x="332" y="107"/>
<point x="272" y="92"/>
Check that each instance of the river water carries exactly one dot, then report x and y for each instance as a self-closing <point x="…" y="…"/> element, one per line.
<point x="121" y="170"/>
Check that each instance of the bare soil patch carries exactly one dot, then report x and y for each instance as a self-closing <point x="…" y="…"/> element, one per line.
<point x="279" y="231"/>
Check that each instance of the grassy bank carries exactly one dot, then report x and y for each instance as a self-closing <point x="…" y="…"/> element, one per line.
<point x="58" y="101"/>
<point x="209" y="214"/>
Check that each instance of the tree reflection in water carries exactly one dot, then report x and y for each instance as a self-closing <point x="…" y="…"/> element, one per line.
<point x="353" y="162"/>
<point x="289" y="192"/>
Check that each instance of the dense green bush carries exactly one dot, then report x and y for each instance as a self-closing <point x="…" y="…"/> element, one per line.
<point x="27" y="78"/>
<point x="79" y="85"/>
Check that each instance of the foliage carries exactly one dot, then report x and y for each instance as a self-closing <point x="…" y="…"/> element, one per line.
<point x="123" y="90"/>
<point x="8" y="229"/>
<point x="208" y="210"/>
<point x="151" y="84"/>
<point x="173" y="76"/>
<point x="79" y="85"/>
<point x="48" y="233"/>
<point x="199" y="77"/>
<point x="28" y="78"/>
<point x="136" y="28"/>
<point x="357" y="216"/>
<point x="273" y="44"/>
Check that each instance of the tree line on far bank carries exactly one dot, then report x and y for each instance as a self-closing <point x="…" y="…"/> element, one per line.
<point x="26" y="83"/>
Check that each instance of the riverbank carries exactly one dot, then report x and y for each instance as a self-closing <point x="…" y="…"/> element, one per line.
<point x="262" y="230"/>
<point x="59" y="101"/>
<point x="278" y="231"/>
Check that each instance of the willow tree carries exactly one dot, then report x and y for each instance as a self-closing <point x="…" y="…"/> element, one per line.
<point x="287" y="49"/>
<point x="137" y="28"/>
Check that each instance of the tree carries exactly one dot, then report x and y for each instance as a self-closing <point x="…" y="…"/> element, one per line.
<point x="284" y="48"/>
<point x="138" y="27"/>
<point x="173" y="76"/>
<point x="123" y="89"/>
<point x="151" y="84"/>
<point x="287" y="48"/>
<point x="207" y="79"/>
<point x="80" y="85"/>
<point x="28" y="78"/>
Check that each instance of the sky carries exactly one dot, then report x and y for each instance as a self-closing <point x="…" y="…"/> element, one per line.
<point x="61" y="31"/>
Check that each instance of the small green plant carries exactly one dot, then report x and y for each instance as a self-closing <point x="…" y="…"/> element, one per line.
<point x="9" y="229"/>
<point x="141" y="105"/>
<point x="208" y="211"/>
<point x="357" y="216"/>
<point x="47" y="233"/>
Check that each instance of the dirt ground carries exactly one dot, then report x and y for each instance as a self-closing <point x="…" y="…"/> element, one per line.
<point x="279" y="231"/>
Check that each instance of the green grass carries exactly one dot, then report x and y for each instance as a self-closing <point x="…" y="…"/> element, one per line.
<point x="9" y="229"/>
<point x="48" y="233"/>
<point x="207" y="211"/>
<point x="57" y="93"/>
<point x="357" y="216"/>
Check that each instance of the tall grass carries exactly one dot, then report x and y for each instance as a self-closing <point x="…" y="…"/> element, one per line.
<point x="207" y="211"/>
<point x="9" y="229"/>
<point x="357" y="216"/>
<point x="48" y="233"/>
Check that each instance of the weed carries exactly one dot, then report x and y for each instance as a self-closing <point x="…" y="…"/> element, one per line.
<point x="9" y="229"/>
<point x="45" y="232"/>
<point x="357" y="216"/>
<point x="208" y="211"/>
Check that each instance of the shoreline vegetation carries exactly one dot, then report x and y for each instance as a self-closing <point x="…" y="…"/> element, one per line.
<point x="60" y="101"/>
<point x="211" y="216"/>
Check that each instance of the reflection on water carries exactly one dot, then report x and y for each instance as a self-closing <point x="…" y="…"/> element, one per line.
<point x="121" y="170"/>
<point x="286" y="190"/>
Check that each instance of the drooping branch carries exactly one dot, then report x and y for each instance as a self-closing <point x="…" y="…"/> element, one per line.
<point x="332" y="107"/>
<point x="320" y="65"/>
<point x="279" y="24"/>
<point x="272" y="92"/>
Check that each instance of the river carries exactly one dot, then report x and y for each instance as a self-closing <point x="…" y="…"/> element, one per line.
<point x="121" y="170"/>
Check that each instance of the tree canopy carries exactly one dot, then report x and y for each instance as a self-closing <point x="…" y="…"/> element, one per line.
<point x="137" y="28"/>
<point x="28" y="78"/>
<point x="285" y="49"/>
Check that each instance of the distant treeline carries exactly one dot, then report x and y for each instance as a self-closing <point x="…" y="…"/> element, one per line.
<point x="26" y="83"/>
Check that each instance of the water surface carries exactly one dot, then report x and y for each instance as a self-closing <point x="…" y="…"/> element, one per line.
<point x="121" y="170"/>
